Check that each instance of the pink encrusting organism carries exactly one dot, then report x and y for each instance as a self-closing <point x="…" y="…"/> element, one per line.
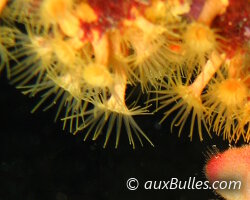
<point x="229" y="171"/>
<point x="80" y="55"/>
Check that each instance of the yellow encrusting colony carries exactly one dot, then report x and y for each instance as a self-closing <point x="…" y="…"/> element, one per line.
<point x="81" y="55"/>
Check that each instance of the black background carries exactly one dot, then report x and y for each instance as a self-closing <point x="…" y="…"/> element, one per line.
<point x="39" y="161"/>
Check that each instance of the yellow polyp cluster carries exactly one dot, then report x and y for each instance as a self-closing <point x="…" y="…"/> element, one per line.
<point x="81" y="55"/>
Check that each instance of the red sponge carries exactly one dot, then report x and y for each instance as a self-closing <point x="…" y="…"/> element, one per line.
<point x="231" y="165"/>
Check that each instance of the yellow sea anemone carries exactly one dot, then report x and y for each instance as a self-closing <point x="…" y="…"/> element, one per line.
<point x="199" y="40"/>
<point x="151" y="55"/>
<point x="180" y="96"/>
<point x="108" y="115"/>
<point x="224" y="99"/>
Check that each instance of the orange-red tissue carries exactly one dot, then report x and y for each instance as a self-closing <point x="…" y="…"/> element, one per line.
<point x="231" y="165"/>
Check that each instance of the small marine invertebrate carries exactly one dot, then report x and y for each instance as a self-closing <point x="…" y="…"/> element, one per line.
<point x="223" y="99"/>
<point x="199" y="40"/>
<point x="114" y="114"/>
<point x="34" y="54"/>
<point x="227" y="94"/>
<point x="150" y="59"/>
<point x="185" y="100"/>
<point x="187" y="96"/>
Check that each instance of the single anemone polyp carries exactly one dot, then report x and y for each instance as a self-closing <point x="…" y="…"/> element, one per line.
<point x="199" y="41"/>
<point x="225" y="100"/>
<point x="199" y="37"/>
<point x="232" y="92"/>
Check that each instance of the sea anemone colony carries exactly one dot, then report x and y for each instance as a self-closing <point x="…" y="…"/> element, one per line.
<point x="190" y="58"/>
